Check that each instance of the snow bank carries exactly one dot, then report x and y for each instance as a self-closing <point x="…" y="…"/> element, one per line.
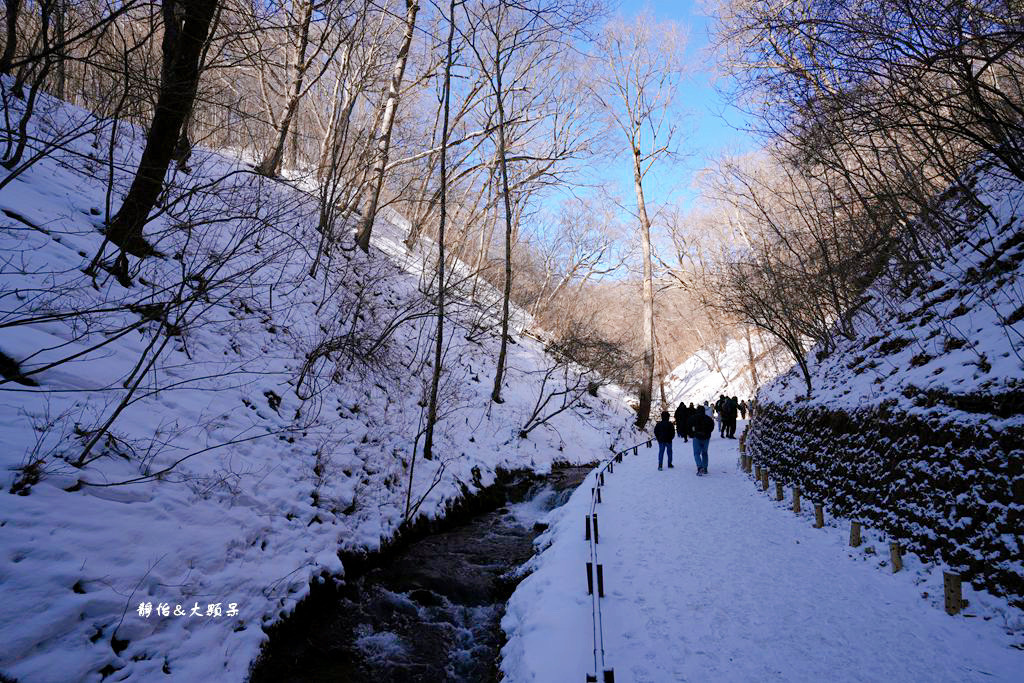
<point x="226" y="485"/>
<point x="916" y="425"/>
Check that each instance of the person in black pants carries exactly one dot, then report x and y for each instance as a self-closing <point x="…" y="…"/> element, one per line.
<point x="682" y="421"/>
<point x="729" y="413"/>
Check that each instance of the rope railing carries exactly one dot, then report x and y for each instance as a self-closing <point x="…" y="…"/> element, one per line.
<point x="595" y="570"/>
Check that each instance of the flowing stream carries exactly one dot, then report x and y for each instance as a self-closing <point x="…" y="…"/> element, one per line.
<point x="430" y="611"/>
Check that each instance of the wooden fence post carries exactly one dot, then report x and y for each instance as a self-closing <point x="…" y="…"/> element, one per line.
<point x="778" y="491"/>
<point x="757" y="472"/>
<point x="595" y="529"/>
<point x="600" y="580"/>
<point x="855" y="534"/>
<point x="819" y="515"/>
<point x="609" y="676"/>
<point x="590" y="578"/>
<point x="764" y="478"/>
<point x="954" y="594"/>
<point x="895" y="556"/>
<point x="796" y="500"/>
<point x="588" y="529"/>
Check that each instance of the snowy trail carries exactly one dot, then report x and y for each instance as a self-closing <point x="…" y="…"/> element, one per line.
<point x="707" y="579"/>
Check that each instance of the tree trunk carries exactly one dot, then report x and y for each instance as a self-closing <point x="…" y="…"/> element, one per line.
<point x="60" y="81"/>
<point x="428" y="442"/>
<point x="499" y="373"/>
<point x="182" y="45"/>
<point x="11" y="44"/>
<point x="753" y="360"/>
<point x="271" y="163"/>
<point x="647" y="377"/>
<point x="386" y="125"/>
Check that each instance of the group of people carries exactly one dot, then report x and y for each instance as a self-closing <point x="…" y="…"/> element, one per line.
<point x="728" y="409"/>
<point x="696" y="423"/>
<point x="691" y="423"/>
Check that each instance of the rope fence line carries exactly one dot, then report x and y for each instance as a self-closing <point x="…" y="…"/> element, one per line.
<point x="595" y="570"/>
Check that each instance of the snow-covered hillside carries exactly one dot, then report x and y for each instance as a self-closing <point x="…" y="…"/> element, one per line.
<point x="915" y="426"/>
<point x="707" y="374"/>
<point x="252" y="420"/>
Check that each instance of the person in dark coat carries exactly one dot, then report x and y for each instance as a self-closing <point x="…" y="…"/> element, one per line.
<point x="720" y="412"/>
<point x="682" y="420"/>
<point x="743" y="409"/>
<point x="664" y="433"/>
<point x="703" y="427"/>
<point x="730" y="411"/>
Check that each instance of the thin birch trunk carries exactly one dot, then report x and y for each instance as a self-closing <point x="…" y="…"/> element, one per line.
<point x="386" y="125"/>
<point x="428" y="441"/>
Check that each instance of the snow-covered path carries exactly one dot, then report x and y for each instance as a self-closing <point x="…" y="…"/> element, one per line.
<point x="708" y="579"/>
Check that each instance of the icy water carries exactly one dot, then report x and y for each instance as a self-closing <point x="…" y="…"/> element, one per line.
<point x="431" y="612"/>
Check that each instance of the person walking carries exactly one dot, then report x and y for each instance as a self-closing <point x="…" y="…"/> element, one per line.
<point x="731" y="410"/>
<point x="743" y="409"/>
<point x="664" y="432"/>
<point x="682" y="418"/>
<point x="703" y="426"/>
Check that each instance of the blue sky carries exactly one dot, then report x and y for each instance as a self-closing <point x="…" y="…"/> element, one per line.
<point x="711" y="124"/>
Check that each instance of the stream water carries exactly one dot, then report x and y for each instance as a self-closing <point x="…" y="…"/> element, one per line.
<point x="431" y="611"/>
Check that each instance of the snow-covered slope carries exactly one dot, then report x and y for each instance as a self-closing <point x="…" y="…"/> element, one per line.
<point x="257" y="419"/>
<point x="961" y="333"/>
<point x="916" y="425"/>
<point x="707" y="374"/>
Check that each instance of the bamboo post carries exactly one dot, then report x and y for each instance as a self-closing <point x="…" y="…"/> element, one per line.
<point x="895" y="556"/>
<point x="796" y="500"/>
<point x="764" y="478"/>
<point x="819" y="515"/>
<point x="596" y="537"/>
<point x="855" y="534"/>
<point x="600" y="580"/>
<point x="590" y="578"/>
<point x="778" y="491"/>
<point x="757" y="472"/>
<point x="588" y="529"/>
<point x="611" y="467"/>
<point x="954" y="594"/>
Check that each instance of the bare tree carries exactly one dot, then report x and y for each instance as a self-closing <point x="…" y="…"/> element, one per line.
<point x="387" y="122"/>
<point x="640" y="73"/>
<point x="186" y="26"/>
<point x="428" y="440"/>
